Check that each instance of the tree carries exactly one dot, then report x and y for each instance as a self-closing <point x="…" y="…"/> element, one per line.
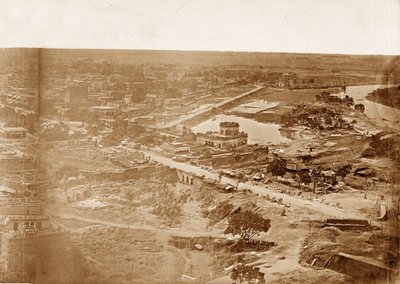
<point x="247" y="224"/>
<point x="247" y="274"/>
<point x="344" y="171"/>
<point x="277" y="167"/>
<point x="315" y="176"/>
<point x="305" y="177"/>
<point x="168" y="204"/>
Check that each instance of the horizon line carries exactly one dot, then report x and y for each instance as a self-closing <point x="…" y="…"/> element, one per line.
<point x="199" y="50"/>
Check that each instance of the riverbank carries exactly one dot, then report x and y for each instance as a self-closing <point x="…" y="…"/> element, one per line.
<point x="387" y="96"/>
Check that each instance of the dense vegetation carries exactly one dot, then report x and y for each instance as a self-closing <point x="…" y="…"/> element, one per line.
<point x="384" y="145"/>
<point x="387" y="96"/>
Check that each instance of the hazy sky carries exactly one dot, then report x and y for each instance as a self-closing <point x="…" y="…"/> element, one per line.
<point x="327" y="26"/>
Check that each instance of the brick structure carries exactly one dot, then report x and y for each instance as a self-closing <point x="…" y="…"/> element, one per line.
<point x="228" y="136"/>
<point x="24" y="233"/>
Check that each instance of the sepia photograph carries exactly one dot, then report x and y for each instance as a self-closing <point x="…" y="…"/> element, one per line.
<point x="187" y="141"/>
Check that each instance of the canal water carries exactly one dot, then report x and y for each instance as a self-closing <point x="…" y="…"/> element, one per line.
<point x="268" y="133"/>
<point x="384" y="116"/>
<point x="258" y="133"/>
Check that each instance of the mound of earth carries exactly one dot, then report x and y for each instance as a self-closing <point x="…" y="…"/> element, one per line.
<point x="320" y="246"/>
<point x="309" y="277"/>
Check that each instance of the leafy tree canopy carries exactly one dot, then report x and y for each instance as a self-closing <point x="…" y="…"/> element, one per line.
<point x="247" y="274"/>
<point x="247" y="224"/>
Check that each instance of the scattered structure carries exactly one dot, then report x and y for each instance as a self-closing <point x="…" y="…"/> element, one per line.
<point x="359" y="267"/>
<point x="13" y="132"/>
<point x="288" y="132"/>
<point x="348" y="224"/>
<point x="105" y="111"/>
<point x="329" y="177"/>
<point x="176" y="148"/>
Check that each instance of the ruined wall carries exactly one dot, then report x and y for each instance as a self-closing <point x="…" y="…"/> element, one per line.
<point x="134" y="173"/>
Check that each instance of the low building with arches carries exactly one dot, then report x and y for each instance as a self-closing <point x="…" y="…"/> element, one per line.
<point x="77" y="193"/>
<point x="189" y="178"/>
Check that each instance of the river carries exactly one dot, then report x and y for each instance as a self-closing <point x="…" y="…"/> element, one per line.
<point x="384" y="116"/>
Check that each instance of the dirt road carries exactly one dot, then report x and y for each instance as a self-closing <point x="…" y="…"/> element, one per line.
<point x="261" y="190"/>
<point x="167" y="231"/>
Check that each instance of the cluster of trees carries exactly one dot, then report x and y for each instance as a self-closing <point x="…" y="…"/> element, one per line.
<point x="168" y="204"/>
<point x="317" y="118"/>
<point x="247" y="274"/>
<point x="327" y="97"/>
<point x="247" y="224"/>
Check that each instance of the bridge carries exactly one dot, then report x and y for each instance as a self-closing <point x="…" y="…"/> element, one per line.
<point x="208" y="110"/>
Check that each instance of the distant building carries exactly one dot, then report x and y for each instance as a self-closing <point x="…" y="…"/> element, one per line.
<point x="13" y="132"/>
<point x="228" y="136"/>
<point x="154" y="100"/>
<point x="106" y="111"/>
<point x="172" y="104"/>
<point x="75" y="95"/>
<point x="176" y="148"/>
<point x="288" y="132"/>
<point x="329" y="177"/>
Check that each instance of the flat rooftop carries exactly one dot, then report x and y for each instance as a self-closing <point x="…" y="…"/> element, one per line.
<point x="104" y="107"/>
<point x="13" y="129"/>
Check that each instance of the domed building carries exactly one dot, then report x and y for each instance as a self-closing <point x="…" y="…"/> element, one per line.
<point x="228" y="136"/>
